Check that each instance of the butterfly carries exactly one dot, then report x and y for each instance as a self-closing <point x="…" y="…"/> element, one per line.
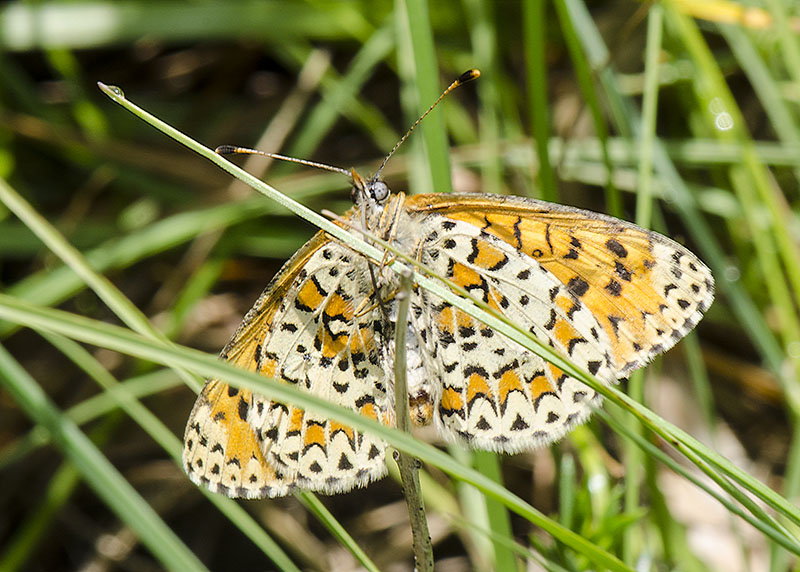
<point x="603" y="292"/>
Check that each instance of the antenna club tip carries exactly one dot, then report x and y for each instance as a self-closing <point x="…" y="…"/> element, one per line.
<point x="226" y="150"/>
<point x="469" y="76"/>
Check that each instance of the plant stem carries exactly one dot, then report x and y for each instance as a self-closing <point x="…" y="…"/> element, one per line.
<point x="409" y="465"/>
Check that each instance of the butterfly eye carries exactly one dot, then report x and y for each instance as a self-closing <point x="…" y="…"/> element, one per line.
<point x="379" y="191"/>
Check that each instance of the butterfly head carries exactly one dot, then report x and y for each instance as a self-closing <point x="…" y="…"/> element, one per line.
<point x="369" y="192"/>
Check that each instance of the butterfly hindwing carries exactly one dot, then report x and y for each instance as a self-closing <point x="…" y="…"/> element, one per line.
<point x="325" y="341"/>
<point x="220" y="450"/>
<point x="303" y="330"/>
<point x="495" y="394"/>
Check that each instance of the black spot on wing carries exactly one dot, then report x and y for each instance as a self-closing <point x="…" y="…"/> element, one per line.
<point x="519" y="424"/>
<point x="473" y="255"/>
<point x="344" y="463"/>
<point x="518" y="233"/>
<point x="578" y="286"/>
<point x="243" y="409"/>
<point x="622" y="271"/>
<point x="616" y="248"/>
<point x="614" y="288"/>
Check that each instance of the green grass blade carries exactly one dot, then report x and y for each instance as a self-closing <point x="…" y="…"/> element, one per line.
<point x="584" y="77"/>
<point x="535" y="29"/>
<point x="315" y="507"/>
<point x="420" y="72"/>
<point x="96" y="470"/>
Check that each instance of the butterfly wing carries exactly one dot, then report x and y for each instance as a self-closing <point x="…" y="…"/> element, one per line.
<point x="221" y="452"/>
<point x="326" y="340"/>
<point x="495" y="394"/>
<point x="604" y="293"/>
<point x="306" y="329"/>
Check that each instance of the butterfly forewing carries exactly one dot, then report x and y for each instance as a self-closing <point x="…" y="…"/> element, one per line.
<point x="646" y="290"/>
<point x="221" y="452"/>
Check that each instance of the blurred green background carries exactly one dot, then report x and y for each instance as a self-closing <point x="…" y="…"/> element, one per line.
<point x="682" y="116"/>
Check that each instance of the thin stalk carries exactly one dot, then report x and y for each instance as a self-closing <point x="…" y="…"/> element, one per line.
<point x="408" y="465"/>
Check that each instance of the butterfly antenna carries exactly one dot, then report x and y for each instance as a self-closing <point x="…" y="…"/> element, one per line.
<point x="233" y="150"/>
<point x="461" y="80"/>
